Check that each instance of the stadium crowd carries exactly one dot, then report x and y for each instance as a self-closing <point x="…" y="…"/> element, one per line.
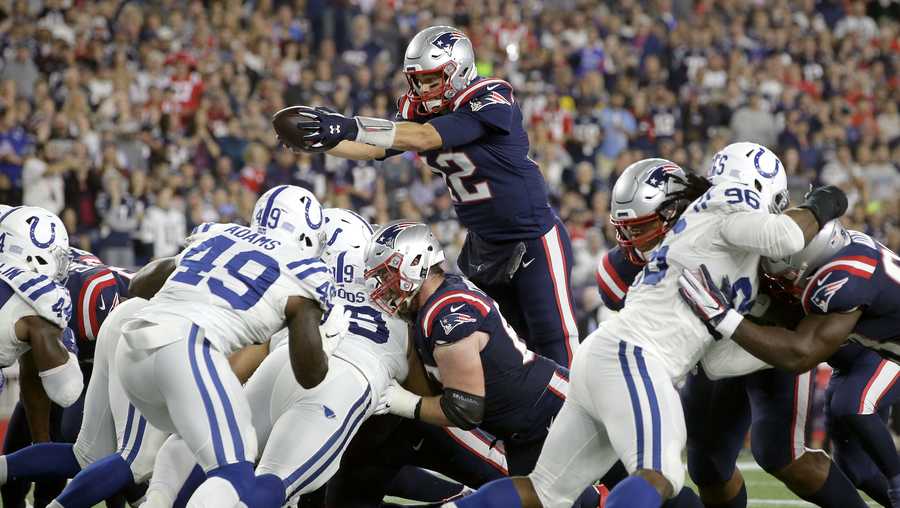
<point x="137" y="120"/>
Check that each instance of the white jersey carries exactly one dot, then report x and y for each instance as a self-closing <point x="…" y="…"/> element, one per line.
<point x="234" y="283"/>
<point x="377" y="342"/>
<point x="728" y="231"/>
<point x="26" y="293"/>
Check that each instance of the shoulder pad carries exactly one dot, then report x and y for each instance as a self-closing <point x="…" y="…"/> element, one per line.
<point x="454" y="315"/>
<point x="728" y="198"/>
<point x="615" y="273"/>
<point x="314" y="279"/>
<point x="841" y="285"/>
<point x="483" y="94"/>
<point x="48" y="298"/>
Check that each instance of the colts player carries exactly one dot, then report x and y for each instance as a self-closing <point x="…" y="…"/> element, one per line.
<point x="470" y="131"/>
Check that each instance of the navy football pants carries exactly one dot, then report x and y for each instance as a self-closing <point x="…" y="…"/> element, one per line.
<point x="862" y="384"/>
<point x="538" y="301"/>
<point x="772" y="404"/>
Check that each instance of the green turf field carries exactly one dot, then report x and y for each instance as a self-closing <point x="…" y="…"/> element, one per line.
<point x="763" y="490"/>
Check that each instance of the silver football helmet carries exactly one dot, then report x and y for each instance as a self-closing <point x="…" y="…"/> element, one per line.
<point x="755" y="166"/>
<point x="292" y="213"/>
<point x="347" y="236"/>
<point x="825" y="245"/>
<point x="398" y="260"/>
<point x="443" y="51"/>
<point x="34" y="238"/>
<point x="634" y="207"/>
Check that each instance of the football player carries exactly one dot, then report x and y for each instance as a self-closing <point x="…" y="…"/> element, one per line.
<point x="772" y="404"/>
<point x="304" y="432"/>
<point x="96" y="290"/>
<point x="488" y="378"/>
<point x="469" y="129"/>
<point x="851" y="286"/>
<point x="34" y="259"/>
<point x="639" y="354"/>
<point x="231" y="287"/>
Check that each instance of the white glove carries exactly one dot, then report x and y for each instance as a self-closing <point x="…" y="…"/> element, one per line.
<point x="334" y="328"/>
<point x="399" y="401"/>
<point x="709" y="302"/>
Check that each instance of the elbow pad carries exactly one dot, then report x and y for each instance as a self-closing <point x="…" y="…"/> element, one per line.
<point x="63" y="384"/>
<point x="463" y="409"/>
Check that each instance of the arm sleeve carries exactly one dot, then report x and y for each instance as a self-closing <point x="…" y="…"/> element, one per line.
<point x="458" y="129"/>
<point x="774" y="236"/>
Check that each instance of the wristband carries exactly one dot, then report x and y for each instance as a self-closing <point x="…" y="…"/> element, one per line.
<point x="729" y="323"/>
<point x="376" y="131"/>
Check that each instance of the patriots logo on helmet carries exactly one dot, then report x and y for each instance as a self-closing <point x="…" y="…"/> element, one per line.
<point x="390" y="233"/>
<point x="823" y="294"/>
<point x="657" y="178"/>
<point x="451" y="321"/>
<point x="447" y="40"/>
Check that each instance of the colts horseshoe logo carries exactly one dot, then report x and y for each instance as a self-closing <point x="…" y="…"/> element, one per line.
<point x="313" y="225"/>
<point x="760" y="170"/>
<point x="34" y="220"/>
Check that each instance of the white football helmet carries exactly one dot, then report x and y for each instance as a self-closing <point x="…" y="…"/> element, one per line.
<point x="398" y="260"/>
<point x="825" y="245"/>
<point x="36" y="239"/>
<point x="755" y="166"/>
<point x="444" y="51"/>
<point x="293" y="213"/>
<point x="346" y="237"/>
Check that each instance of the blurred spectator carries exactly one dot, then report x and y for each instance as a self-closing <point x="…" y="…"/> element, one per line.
<point x="755" y="123"/>
<point x="164" y="225"/>
<point x="144" y="112"/>
<point x="120" y="218"/>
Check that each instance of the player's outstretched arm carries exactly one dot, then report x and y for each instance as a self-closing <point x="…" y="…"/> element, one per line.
<point x="817" y="337"/>
<point x="308" y="359"/>
<point x="777" y="236"/>
<point x="150" y="279"/>
<point x="328" y="128"/>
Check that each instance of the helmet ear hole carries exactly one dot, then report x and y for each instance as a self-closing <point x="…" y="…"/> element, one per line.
<point x="758" y="185"/>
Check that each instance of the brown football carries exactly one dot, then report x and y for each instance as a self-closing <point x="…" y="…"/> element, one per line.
<point x="285" y="124"/>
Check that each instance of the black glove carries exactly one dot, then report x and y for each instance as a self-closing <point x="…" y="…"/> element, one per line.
<point x="826" y="203"/>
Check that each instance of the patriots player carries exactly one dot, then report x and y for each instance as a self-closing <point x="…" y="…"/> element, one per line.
<point x="639" y="354"/>
<point x="231" y="287"/>
<point x="95" y="289"/>
<point x="470" y="131"/>
<point x="851" y="295"/>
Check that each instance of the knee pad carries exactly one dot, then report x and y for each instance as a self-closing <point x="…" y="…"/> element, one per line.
<point x="708" y="468"/>
<point x="771" y="458"/>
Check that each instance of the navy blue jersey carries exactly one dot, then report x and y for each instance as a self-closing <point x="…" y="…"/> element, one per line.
<point x="95" y="289"/>
<point x="863" y="275"/>
<point x="497" y="190"/>
<point x="514" y="377"/>
<point x="615" y="273"/>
